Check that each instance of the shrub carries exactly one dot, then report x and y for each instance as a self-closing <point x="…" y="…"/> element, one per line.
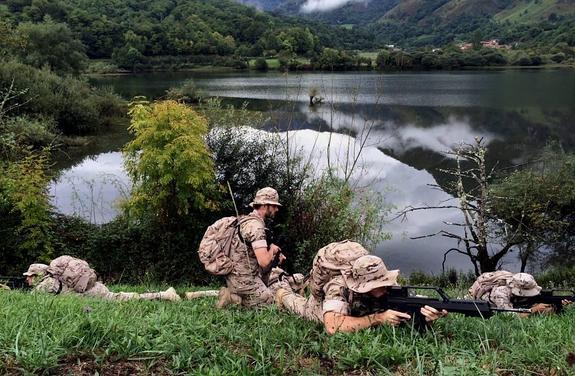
<point x="315" y="212"/>
<point x="75" y="107"/>
<point x="170" y="166"/>
<point x="26" y="131"/>
<point x="25" y="221"/>
<point x="558" y="57"/>
<point x="261" y="64"/>
<point x="186" y="92"/>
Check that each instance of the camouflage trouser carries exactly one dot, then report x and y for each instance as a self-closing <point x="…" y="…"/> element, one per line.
<point x="308" y="308"/>
<point x="256" y="291"/>
<point x="252" y="290"/>
<point x="101" y="291"/>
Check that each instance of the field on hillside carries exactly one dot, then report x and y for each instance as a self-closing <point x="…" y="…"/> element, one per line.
<point x="76" y="335"/>
<point x="528" y="11"/>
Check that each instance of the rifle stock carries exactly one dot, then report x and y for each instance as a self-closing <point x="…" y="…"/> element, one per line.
<point x="552" y="297"/>
<point x="403" y="299"/>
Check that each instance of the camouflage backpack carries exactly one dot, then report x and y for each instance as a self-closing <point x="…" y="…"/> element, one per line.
<point x="487" y="281"/>
<point x="74" y="273"/>
<point x="332" y="260"/>
<point x="216" y="245"/>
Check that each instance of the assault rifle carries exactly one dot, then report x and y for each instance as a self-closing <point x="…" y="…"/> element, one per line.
<point x="272" y="239"/>
<point x="404" y="299"/>
<point x="14" y="282"/>
<point x="553" y="297"/>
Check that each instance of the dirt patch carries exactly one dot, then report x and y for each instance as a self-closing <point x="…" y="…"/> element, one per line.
<point x="89" y="367"/>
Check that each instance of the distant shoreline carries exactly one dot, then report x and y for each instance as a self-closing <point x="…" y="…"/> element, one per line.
<point x="222" y="69"/>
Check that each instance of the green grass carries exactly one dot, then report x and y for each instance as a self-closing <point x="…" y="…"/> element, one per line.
<point x="71" y="334"/>
<point x="527" y="11"/>
<point x="272" y="63"/>
<point x="371" y="55"/>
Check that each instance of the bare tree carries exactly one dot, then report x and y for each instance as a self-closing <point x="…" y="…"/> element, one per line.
<point x="483" y="238"/>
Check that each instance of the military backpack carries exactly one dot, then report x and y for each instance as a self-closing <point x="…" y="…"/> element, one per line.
<point x="487" y="281"/>
<point x="331" y="261"/>
<point x="72" y="272"/>
<point x="216" y="245"/>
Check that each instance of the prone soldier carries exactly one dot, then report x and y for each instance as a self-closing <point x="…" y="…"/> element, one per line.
<point x="55" y="279"/>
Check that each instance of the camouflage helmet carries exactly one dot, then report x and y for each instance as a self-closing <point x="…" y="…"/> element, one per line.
<point x="523" y="284"/>
<point x="36" y="269"/>
<point x="266" y="196"/>
<point x="368" y="273"/>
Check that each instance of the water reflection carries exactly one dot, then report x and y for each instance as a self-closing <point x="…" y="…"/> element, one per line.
<point x="407" y="121"/>
<point x="92" y="189"/>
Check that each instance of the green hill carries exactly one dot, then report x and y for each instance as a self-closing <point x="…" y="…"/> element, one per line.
<point x="414" y="23"/>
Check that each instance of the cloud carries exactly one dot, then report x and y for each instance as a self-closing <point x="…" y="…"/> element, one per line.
<point x="325" y="5"/>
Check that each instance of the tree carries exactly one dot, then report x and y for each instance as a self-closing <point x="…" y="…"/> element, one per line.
<point x="261" y="64"/>
<point x="25" y="222"/>
<point x="485" y="239"/>
<point x="538" y="203"/>
<point x="169" y="163"/>
<point x="51" y="44"/>
<point x="131" y="54"/>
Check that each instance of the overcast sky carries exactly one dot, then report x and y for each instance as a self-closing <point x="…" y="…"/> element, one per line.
<point x="325" y="5"/>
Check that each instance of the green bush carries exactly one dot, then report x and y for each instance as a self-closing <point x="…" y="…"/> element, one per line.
<point x="25" y="222"/>
<point x="186" y="92"/>
<point x="560" y="277"/>
<point x="315" y="212"/>
<point x="73" y="104"/>
<point x="261" y="64"/>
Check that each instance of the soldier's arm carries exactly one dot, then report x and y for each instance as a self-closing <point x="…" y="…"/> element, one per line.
<point x="336" y="311"/>
<point x="253" y="231"/>
<point x="264" y="255"/>
<point x="337" y="322"/>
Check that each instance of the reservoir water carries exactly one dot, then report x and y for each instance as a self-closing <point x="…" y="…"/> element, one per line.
<point x="406" y="123"/>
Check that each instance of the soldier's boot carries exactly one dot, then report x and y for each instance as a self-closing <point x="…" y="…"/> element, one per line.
<point x="226" y="297"/>
<point x="279" y="296"/>
<point x="170" y="294"/>
<point x="201" y="294"/>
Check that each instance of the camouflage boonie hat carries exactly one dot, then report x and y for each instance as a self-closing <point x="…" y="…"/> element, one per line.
<point x="368" y="273"/>
<point x="36" y="269"/>
<point x="266" y="196"/>
<point x="523" y="284"/>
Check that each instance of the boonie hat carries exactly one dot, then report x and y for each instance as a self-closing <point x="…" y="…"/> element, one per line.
<point x="36" y="269"/>
<point x="523" y="284"/>
<point x="266" y="196"/>
<point x="368" y="273"/>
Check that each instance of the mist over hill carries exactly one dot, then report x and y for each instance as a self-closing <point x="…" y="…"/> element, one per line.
<point x="437" y="22"/>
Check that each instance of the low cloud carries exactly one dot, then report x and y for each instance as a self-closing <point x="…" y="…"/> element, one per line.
<point x="311" y="6"/>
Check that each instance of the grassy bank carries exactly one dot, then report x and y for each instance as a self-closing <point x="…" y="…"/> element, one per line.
<point x="75" y="335"/>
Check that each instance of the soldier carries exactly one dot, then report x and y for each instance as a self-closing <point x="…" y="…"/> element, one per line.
<point x="39" y="278"/>
<point x="501" y="288"/>
<point x="340" y="274"/>
<point x="252" y="257"/>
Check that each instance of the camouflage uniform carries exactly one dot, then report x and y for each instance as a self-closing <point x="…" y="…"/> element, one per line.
<point x="246" y="278"/>
<point x="519" y="284"/>
<point x="99" y="290"/>
<point x="347" y="277"/>
<point x="51" y="285"/>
